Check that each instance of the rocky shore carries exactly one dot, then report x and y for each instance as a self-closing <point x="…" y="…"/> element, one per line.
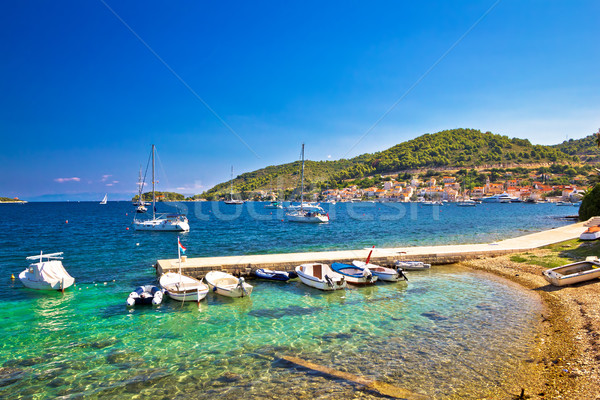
<point x="565" y="363"/>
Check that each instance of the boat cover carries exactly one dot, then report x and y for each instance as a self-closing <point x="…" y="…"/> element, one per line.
<point x="49" y="271"/>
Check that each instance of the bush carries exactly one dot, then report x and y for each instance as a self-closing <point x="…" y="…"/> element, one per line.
<point x="590" y="205"/>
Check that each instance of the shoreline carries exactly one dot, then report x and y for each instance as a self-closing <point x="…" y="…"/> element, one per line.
<point x="564" y="359"/>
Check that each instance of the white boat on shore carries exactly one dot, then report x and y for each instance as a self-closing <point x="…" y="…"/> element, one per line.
<point x="591" y="233"/>
<point x="46" y="274"/>
<point x="320" y="276"/>
<point x="573" y="273"/>
<point x="227" y="285"/>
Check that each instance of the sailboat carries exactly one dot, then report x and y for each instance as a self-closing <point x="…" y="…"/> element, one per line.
<point x="161" y="222"/>
<point x="105" y="199"/>
<point x="231" y="199"/>
<point x="302" y="214"/>
<point x="141" y="205"/>
<point x="182" y="287"/>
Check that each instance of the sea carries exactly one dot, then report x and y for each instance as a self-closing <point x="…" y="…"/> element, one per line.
<point x="449" y="332"/>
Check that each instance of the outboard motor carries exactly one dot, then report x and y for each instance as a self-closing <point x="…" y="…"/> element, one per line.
<point x="329" y="280"/>
<point x="402" y="274"/>
<point x="241" y="285"/>
<point x="367" y="274"/>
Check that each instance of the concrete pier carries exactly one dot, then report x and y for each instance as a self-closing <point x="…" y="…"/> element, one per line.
<point x="245" y="264"/>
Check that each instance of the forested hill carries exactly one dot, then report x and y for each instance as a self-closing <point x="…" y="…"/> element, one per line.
<point x="586" y="149"/>
<point x="455" y="148"/>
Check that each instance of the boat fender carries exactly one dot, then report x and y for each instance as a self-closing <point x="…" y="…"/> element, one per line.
<point x="131" y="298"/>
<point x="214" y="288"/>
<point x="158" y="297"/>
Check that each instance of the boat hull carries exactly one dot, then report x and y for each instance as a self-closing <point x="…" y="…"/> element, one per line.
<point x="412" y="265"/>
<point x="28" y="281"/>
<point x="183" y="288"/>
<point x="146" y="295"/>
<point x="316" y="276"/>
<point x="307" y="217"/>
<point x="573" y="273"/>
<point x="353" y="274"/>
<point x="382" y="273"/>
<point x="160" y="225"/>
<point x="227" y="285"/>
<point x="271" y="275"/>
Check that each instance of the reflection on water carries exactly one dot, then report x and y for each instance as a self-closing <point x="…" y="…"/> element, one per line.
<point x="447" y="332"/>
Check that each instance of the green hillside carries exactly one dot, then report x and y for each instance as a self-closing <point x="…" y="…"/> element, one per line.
<point x="450" y="149"/>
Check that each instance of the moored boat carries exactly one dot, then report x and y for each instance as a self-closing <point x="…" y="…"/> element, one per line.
<point x="320" y="276"/>
<point x="353" y="274"/>
<point x="227" y="285"/>
<point x="269" y="274"/>
<point x="46" y="274"/>
<point x="412" y="265"/>
<point x="182" y="287"/>
<point x="382" y="273"/>
<point x="147" y="294"/>
<point x="591" y="233"/>
<point x="573" y="273"/>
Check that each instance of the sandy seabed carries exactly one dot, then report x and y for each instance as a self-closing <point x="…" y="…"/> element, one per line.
<point x="565" y="362"/>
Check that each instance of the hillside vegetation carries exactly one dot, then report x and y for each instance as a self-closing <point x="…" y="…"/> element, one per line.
<point x="448" y="149"/>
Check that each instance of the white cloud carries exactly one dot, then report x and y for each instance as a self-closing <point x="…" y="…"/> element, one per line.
<point x="63" y="180"/>
<point x="109" y="184"/>
<point x="105" y="177"/>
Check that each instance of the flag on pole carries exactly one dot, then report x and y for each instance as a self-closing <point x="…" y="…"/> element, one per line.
<point x="180" y="246"/>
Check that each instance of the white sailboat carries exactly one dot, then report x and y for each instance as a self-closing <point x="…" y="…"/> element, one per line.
<point x="105" y="199"/>
<point x="141" y="205"/>
<point x="231" y="199"/>
<point x="161" y="222"/>
<point x="302" y="214"/>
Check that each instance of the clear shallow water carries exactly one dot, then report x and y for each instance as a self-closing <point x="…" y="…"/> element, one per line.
<point x="448" y="332"/>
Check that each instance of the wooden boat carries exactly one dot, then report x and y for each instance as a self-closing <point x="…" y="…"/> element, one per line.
<point x="353" y="274"/>
<point x="264" y="273"/>
<point x="182" y="287"/>
<point x="591" y="233"/>
<point x="412" y="265"/>
<point x="46" y="274"/>
<point x="320" y="276"/>
<point x="227" y="285"/>
<point x="573" y="273"/>
<point x="382" y="273"/>
<point x="147" y="294"/>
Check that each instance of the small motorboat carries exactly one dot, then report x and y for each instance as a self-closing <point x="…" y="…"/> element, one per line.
<point x="382" y="273"/>
<point x="591" y="233"/>
<point x="147" y="294"/>
<point x="271" y="275"/>
<point x="412" y="265"/>
<point x="182" y="287"/>
<point x="227" y="285"/>
<point x="353" y="274"/>
<point x="320" y="276"/>
<point x="46" y="274"/>
<point x="573" y="273"/>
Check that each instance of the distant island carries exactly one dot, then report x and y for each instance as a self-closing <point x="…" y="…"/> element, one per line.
<point x="471" y="157"/>
<point x="9" y="200"/>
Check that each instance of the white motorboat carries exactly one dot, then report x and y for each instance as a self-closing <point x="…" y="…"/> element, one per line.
<point x="573" y="273"/>
<point x="47" y="273"/>
<point x="591" y="233"/>
<point x="320" y="276"/>
<point x="182" y="287"/>
<point x="498" y="198"/>
<point x="104" y="199"/>
<point x="467" y="203"/>
<point x="382" y="273"/>
<point x="161" y="222"/>
<point x="146" y="295"/>
<point x="227" y="285"/>
<point x="353" y="274"/>
<point x="412" y="265"/>
<point x="231" y="199"/>
<point x="306" y="215"/>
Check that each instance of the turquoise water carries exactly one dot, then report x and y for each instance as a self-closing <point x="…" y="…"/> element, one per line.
<point x="449" y="331"/>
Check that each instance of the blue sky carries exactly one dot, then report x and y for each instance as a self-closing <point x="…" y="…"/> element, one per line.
<point x="83" y="97"/>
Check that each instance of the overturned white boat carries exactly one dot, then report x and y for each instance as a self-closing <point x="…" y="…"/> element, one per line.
<point x="320" y="276"/>
<point x="591" y="233"/>
<point x="227" y="285"/>
<point x="46" y="274"/>
<point x="573" y="273"/>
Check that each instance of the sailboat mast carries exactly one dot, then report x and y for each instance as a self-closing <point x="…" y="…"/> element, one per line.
<point x="231" y="189"/>
<point x="302" y="185"/>
<point x="153" y="194"/>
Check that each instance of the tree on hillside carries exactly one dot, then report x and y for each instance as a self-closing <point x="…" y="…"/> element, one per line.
<point x="590" y="205"/>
